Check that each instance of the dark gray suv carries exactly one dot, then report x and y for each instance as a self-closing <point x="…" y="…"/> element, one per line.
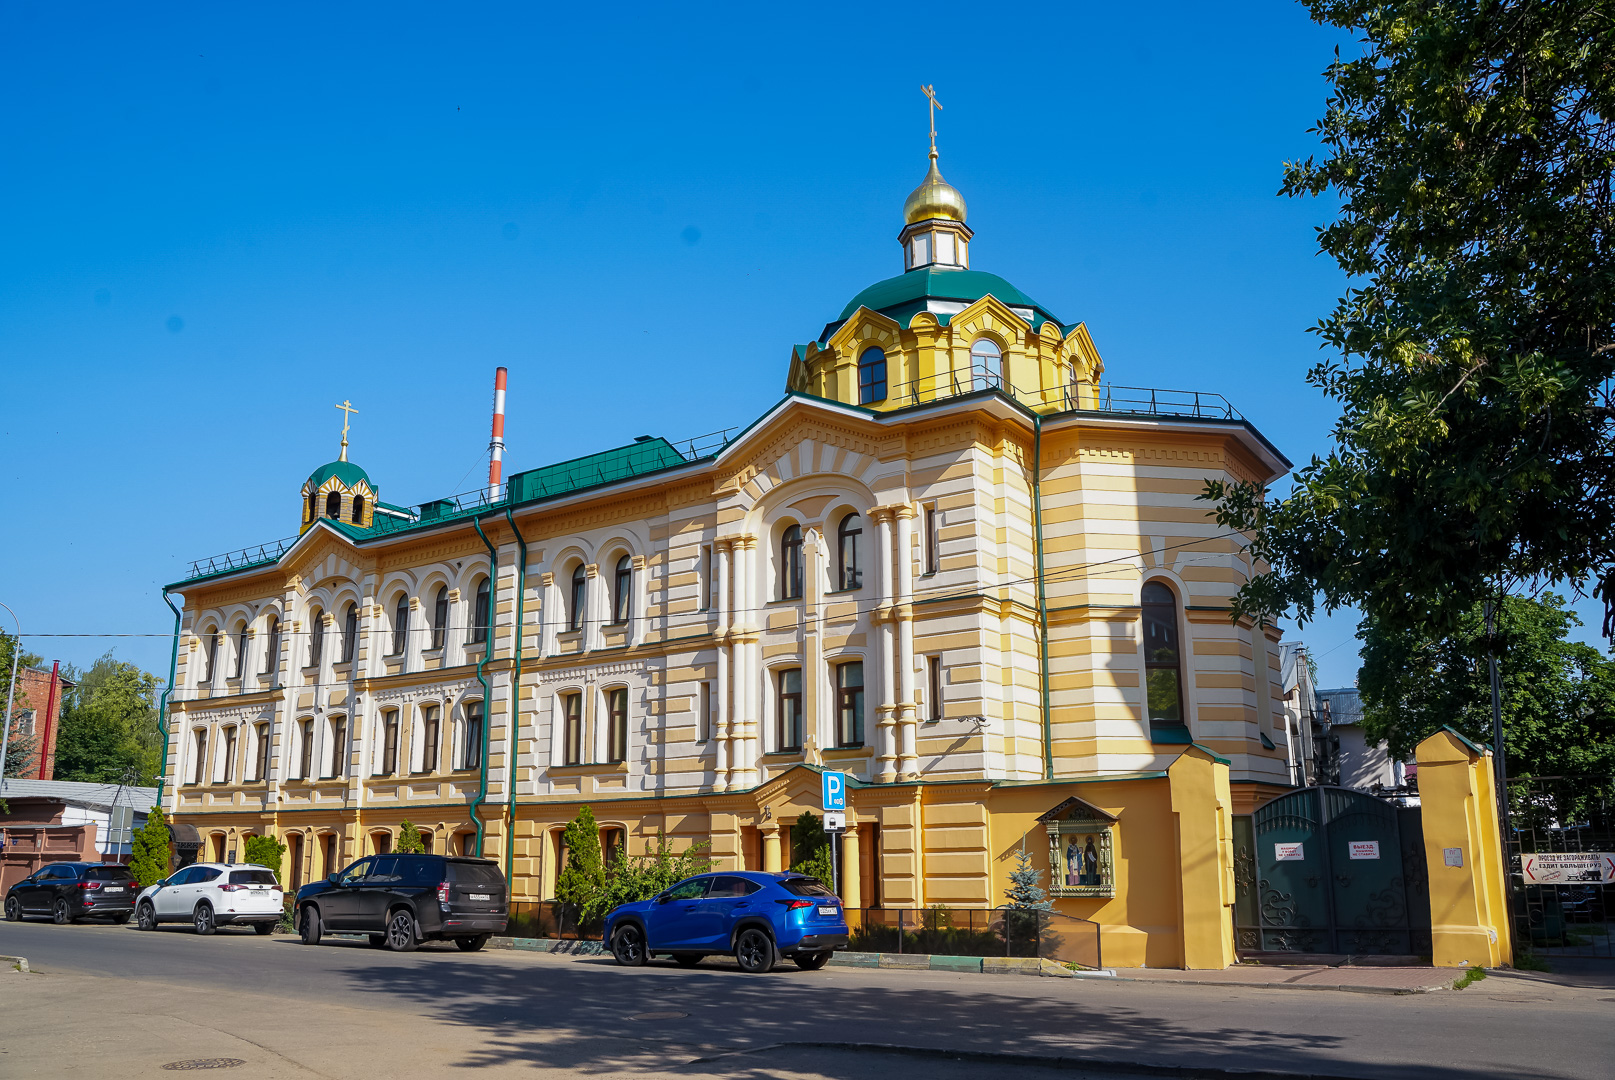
<point x="403" y="900"/>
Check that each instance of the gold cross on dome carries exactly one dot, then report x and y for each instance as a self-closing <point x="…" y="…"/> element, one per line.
<point x="930" y="94"/>
<point x="347" y="411"/>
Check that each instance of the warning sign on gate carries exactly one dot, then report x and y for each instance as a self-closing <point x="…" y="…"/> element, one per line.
<point x="1363" y="849"/>
<point x="1559" y="867"/>
<point x="1289" y="853"/>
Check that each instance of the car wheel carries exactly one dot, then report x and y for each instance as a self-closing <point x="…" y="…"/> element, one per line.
<point x="121" y="917"/>
<point x="378" y="941"/>
<point x="146" y="917"/>
<point x="61" y="914"/>
<point x="754" y="951"/>
<point x="202" y="918"/>
<point x="687" y="959"/>
<point x="471" y="944"/>
<point x="308" y="926"/>
<point x="811" y="961"/>
<point x="13" y="909"/>
<point x="401" y="931"/>
<point x="628" y="945"/>
<point x="263" y="929"/>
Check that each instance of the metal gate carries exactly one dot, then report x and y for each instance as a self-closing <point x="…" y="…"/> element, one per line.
<point x="1567" y="910"/>
<point x="1330" y="870"/>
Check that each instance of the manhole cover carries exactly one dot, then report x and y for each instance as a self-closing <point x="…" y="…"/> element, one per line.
<point x="204" y="1063"/>
<point x="660" y="1016"/>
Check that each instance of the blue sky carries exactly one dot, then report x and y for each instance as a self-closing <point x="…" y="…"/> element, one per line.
<point x="216" y="224"/>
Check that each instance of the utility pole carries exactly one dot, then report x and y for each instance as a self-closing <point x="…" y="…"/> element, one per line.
<point x="1500" y="758"/>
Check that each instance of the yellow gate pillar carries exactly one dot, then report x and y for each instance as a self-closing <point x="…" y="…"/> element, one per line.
<point x="852" y="896"/>
<point x="1458" y="805"/>
<point x="771" y="848"/>
<point x="1202" y="805"/>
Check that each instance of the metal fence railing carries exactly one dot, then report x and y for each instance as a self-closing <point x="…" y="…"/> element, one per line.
<point x="550" y="919"/>
<point x="1106" y="397"/>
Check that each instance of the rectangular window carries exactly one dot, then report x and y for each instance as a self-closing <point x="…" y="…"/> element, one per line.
<point x="704" y="574"/>
<point x="305" y="733"/>
<point x="933" y="546"/>
<point x="850" y="704"/>
<point x="199" y="767"/>
<point x="617" y="733"/>
<point x="389" y="745"/>
<point x="944" y="248"/>
<point x="933" y="687"/>
<point x="789" y="712"/>
<point x="471" y="758"/>
<point x="263" y="752"/>
<point x="703" y="720"/>
<point x="572" y="729"/>
<point x="229" y="755"/>
<point x="431" y="730"/>
<point x="921" y="246"/>
<point x="339" y="748"/>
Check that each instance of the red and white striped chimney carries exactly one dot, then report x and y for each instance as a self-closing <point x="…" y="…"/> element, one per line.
<point x="496" y="460"/>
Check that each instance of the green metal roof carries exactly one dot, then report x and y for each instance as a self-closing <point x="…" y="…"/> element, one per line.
<point x="646" y="454"/>
<point x="904" y="296"/>
<point x="346" y="472"/>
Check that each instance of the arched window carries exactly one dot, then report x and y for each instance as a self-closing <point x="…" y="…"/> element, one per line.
<point x="261" y="733"/>
<point x="389" y="742"/>
<point x="986" y="365"/>
<point x="333" y="505"/>
<point x="872" y="375"/>
<point x="339" y="747"/>
<point x="622" y="590"/>
<point x="617" y="733"/>
<point x="479" y="616"/>
<point x="227" y="767"/>
<point x="401" y="625"/>
<point x="471" y="732"/>
<point x="316" y="637"/>
<point x="241" y="651"/>
<point x="1163" y="671"/>
<point x="431" y="733"/>
<point x="580" y="585"/>
<point x="272" y="653"/>
<point x="572" y="729"/>
<point x="848" y="575"/>
<point x="212" y="657"/>
<point x="313" y="506"/>
<point x="199" y="762"/>
<point x="350" y="633"/>
<point x="440" y="617"/>
<point x="790" y="563"/>
<point x="358" y="509"/>
<point x="305" y="756"/>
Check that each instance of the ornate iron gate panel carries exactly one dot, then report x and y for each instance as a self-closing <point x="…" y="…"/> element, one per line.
<point x="1325" y="870"/>
<point x="1573" y="915"/>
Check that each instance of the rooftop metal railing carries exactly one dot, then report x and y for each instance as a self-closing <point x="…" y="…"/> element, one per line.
<point x="1134" y="400"/>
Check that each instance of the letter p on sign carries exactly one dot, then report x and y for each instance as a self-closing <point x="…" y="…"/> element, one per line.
<point x="835" y="791"/>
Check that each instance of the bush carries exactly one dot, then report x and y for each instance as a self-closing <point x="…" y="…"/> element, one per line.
<point x="632" y="878"/>
<point x="149" y="855"/>
<point x="583" y="877"/>
<point x="810" y="848"/>
<point x="265" y="851"/>
<point x="409" y="840"/>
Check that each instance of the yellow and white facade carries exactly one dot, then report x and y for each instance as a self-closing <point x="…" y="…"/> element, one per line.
<point x="682" y="640"/>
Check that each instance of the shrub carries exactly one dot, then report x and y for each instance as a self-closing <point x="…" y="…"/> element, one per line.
<point x="583" y="877"/>
<point x="265" y="851"/>
<point x="150" y="855"/>
<point x="409" y="840"/>
<point x="810" y="848"/>
<point x="632" y="878"/>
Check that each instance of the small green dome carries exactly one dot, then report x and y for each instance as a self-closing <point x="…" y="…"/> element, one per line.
<point x="346" y="472"/>
<point x="904" y="296"/>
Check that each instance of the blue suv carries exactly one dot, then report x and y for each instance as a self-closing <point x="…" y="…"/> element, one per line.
<point x="755" y="917"/>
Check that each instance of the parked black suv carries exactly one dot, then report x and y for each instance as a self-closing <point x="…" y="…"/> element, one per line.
<point x="68" y="891"/>
<point x="402" y="900"/>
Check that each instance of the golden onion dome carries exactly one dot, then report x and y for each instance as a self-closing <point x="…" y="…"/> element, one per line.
<point x="934" y="198"/>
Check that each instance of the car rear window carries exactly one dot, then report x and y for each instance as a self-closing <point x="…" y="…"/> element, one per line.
<point x="252" y="877"/>
<point x="475" y="873"/>
<point x="806" y="886"/>
<point x="108" y="873"/>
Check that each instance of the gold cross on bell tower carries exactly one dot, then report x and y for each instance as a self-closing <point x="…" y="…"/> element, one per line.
<point x="347" y="410"/>
<point x="934" y="105"/>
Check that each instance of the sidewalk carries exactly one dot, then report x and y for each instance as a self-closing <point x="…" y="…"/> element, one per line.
<point x="1362" y="980"/>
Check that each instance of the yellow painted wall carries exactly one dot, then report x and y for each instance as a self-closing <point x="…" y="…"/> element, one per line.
<point x="1468" y="904"/>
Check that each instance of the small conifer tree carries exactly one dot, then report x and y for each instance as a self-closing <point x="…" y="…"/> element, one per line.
<point x="584" y="875"/>
<point x="149" y="857"/>
<point x="409" y="839"/>
<point x="265" y="851"/>
<point x="810" y="847"/>
<point x="1024" y="892"/>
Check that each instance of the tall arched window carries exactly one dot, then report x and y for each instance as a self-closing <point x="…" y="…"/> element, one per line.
<point x="339" y="747"/>
<point x="358" y="509"/>
<point x="401" y="625"/>
<point x="572" y="729"/>
<point x="872" y="375"/>
<point x="272" y="653"/>
<point x="350" y="633"/>
<point x="617" y="733"/>
<point x="622" y="590"/>
<point x="479" y="614"/>
<point x="986" y="365"/>
<point x="313" y="505"/>
<point x="316" y="637"/>
<point x="1163" y="667"/>
<point x="848" y="575"/>
<point x="242" y="638"/>
<point x="580" y="585"/>
<point x="471" y="746"/>
<point x="440" y="617"/>
<point x="333" y="505"/>
<point x="212" y="656"/>
<point x="261" y="733"/>
<point x="790" y="563"/>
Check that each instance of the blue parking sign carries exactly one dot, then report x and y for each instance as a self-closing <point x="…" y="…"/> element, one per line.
<point x="835" y="791"/>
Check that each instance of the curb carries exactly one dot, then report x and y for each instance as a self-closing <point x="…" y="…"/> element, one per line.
<point x="1086" y="1064"/>
<point x="19" y="962"/>
<point x="1392" y="991"/>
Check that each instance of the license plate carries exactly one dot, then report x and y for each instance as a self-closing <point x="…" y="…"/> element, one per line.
<point x="477" y="896"/>
<point x="113" y="888"/>
<point x="827" y="911"/>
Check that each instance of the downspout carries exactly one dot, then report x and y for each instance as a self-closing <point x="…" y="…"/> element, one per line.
<point x="512" y="725"/>
<point x="1042" y="597"/>
<point x="487" y="695"/>
<point x="162" y="703"/>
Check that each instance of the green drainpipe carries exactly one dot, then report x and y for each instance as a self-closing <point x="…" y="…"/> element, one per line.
<point x="487" y="695"/>
<point x="1042" y="598"/>
<point x="512" y="726"/>
<point x="162" y="703"/>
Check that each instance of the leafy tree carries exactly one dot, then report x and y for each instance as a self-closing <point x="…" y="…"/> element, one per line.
<point x="1024" y="892"/>
<point x="1558" y="695"/>
<point x="810" y="848"/>
<point x="109" y="725"/>
<point x="265" y="851"/>
<point x="150" y="855"/>
<point x="631" y="878"/>
<point x="409" y="839"/>
<point x="1471" y="147"/>
<point x="22" y="749"/>
<point x="583" y="877"/>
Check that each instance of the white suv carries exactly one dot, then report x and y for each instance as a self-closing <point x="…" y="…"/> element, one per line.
<point x="208" y="895"/>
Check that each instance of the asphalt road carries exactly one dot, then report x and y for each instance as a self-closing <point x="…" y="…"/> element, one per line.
<point x="344" y="1009"/>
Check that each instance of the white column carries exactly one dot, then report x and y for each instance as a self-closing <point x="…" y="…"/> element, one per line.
<point x="549" y="612"/>
<point x="907" y="759"/>
<point x="885" y="659"/>
<point x="720" y="734"/>
<point x="637" y="617"/>
<point x="595" y="606"/>
<point x="743" y="771"/>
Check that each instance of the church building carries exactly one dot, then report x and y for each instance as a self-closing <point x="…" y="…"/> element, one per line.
<point x="954" y="562"/>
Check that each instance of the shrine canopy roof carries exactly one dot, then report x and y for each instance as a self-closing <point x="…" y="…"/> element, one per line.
<point x="1076" y="808"/>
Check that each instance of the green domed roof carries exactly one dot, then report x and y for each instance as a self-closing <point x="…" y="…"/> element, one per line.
<point x="347" y="473"/>
<point x="905" y="295"/>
